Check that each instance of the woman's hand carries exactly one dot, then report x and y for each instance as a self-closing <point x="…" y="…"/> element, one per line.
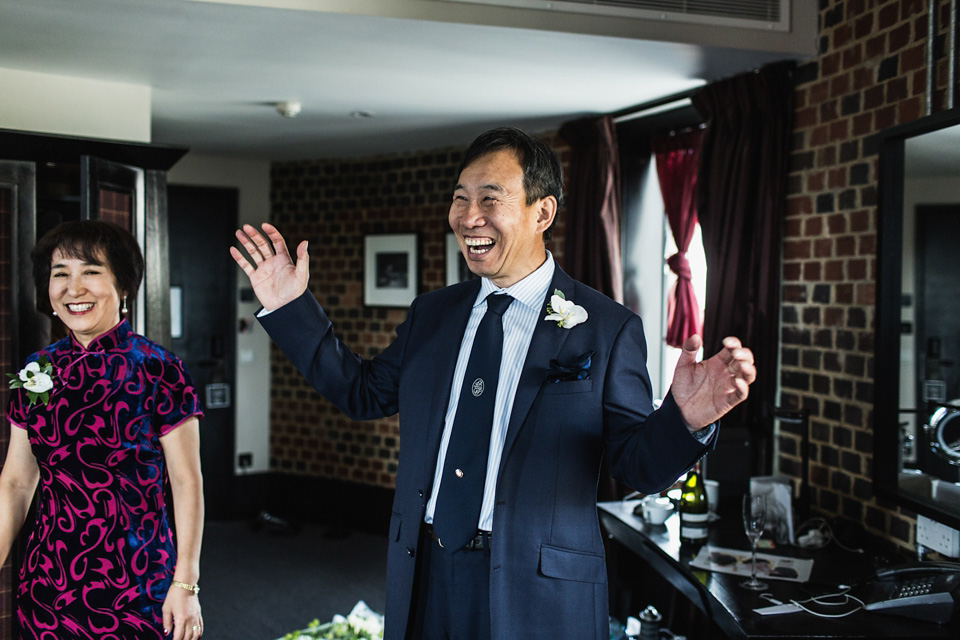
<point x="181" y="614"/>
<point x="181" y="449"/>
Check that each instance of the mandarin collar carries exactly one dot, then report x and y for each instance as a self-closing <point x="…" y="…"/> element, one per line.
<point x="106" y="341"/>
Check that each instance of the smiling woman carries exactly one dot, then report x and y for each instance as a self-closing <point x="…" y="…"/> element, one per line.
<point x="111" y="392"/>
<point x="83" y="293"/>
<point x="91" y="271"/>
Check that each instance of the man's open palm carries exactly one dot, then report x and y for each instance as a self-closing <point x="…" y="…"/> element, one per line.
<point x="275" y="278"/>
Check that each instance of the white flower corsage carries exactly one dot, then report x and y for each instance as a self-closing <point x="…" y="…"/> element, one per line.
<point x="566" y="314"/>
<point x="36" y="378"/>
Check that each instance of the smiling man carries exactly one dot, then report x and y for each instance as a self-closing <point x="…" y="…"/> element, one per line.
<point x="509" y="388"/>
<point x="499" y="227"/>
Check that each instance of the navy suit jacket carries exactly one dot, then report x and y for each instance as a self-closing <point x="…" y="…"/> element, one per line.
<point x="548" y="573"/>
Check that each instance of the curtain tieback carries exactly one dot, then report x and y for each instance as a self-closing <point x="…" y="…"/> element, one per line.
<point x="679" y="264"/>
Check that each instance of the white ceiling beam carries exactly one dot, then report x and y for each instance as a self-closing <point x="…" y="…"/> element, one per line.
<point x="800" y="41"/>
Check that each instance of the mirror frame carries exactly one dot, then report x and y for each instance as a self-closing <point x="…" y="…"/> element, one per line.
<point x="889" y="267"/>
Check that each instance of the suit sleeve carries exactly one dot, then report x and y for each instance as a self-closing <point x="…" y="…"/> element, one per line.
<point x="362" y="389"/>
<point x="647" y="450"/>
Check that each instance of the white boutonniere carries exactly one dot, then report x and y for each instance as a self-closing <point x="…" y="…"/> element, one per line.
<point x="36" y="378"/>
<point x="566" y="314"/>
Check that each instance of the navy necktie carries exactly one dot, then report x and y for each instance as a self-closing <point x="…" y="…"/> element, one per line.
<point x="465" y="467"/>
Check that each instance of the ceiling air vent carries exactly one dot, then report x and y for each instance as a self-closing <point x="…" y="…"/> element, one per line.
<point x="756" y="14"/>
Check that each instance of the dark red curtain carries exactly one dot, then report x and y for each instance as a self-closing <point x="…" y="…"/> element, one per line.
<point x="742" y="184"/>
<point x="677" y="156"/>
<point x="591" y="253"/>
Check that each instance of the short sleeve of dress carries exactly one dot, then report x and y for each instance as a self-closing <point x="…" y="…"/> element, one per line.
<point x="176" y="397"/>
<point x="18" y="408"/>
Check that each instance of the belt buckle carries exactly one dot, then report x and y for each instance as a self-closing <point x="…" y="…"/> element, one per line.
<point x="478" y="543"/>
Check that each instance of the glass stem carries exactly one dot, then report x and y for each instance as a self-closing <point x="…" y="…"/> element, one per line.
<point x="753" y="562"/>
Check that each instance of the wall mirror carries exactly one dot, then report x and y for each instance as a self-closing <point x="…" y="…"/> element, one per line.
<point x="917" y="349"/>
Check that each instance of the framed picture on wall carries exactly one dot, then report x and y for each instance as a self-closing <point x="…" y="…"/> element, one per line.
<point x="456" y="266"/>
<point x="390" y="272"/>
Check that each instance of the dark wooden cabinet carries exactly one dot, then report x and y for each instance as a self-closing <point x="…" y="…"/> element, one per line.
<point x="47" y="179"/>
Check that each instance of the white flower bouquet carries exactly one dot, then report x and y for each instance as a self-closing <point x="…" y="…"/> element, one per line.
<point x="362" y="624"/>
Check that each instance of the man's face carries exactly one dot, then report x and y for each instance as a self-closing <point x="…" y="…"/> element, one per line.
<point x="500" y="236"/>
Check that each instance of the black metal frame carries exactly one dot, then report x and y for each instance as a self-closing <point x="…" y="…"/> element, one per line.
<point x="886" y="410"/>
<point x="20" y="179"/>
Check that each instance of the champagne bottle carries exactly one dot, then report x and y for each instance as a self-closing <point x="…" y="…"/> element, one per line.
<point x="693" y="509"/>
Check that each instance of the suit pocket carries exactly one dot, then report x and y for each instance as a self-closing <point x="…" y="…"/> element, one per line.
<point x="394" y="532"/>
<point x="571" y="386"/>
<point x="566" y="564"/>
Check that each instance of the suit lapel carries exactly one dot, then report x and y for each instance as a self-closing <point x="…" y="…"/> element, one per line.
<point x="546" y="343"/>
<point x="448" y="327"/>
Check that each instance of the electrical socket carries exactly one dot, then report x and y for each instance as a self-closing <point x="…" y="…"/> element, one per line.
<point x="938" y="537"/>
<point x="245" y="460"/>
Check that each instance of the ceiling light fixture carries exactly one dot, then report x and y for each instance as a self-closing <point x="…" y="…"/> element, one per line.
<point x="288" y="109"/>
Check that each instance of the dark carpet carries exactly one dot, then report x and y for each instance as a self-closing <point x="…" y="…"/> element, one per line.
<point x="259" y="585"/>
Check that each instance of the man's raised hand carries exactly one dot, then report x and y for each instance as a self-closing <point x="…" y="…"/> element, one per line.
<point x="707" y="390"/>
<point x="275" y="278"/>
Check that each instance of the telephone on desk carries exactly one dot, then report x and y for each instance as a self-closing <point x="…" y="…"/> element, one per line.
<point x="924" y="591"/>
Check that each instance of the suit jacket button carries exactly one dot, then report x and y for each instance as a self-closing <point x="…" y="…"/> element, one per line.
<point x="420" y="493"/>
<point x="411" y="552"/>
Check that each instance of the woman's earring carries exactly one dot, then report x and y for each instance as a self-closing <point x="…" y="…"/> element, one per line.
<point x="54" y="313"/>
<point x="123" y="309"/>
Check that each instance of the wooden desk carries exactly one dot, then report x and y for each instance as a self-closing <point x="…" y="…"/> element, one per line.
<point x="716" y="606"/>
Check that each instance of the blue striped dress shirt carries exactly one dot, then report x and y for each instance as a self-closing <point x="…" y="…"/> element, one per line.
<point x="519" y="321"/>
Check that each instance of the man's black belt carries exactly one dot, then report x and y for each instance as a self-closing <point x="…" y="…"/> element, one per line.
<point x="477" y="543"/>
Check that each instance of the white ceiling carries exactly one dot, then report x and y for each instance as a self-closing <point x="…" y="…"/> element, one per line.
<point x="217" y="66"/>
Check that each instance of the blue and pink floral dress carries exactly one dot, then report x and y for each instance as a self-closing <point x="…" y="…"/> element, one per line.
<point x="101" y="553"/>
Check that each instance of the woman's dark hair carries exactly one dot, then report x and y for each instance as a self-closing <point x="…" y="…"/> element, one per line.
<point x="542" y="171"/>
<point x="91" y="241"/>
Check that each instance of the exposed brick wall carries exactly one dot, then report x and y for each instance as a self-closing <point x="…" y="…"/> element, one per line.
<point x="334" y="204"/>
<point x="870" y="75"/>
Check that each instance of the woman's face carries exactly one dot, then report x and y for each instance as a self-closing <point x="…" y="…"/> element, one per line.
<point x="84" y="295"/>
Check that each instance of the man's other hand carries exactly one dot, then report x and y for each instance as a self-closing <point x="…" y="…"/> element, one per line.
<point x="707" y="390"/>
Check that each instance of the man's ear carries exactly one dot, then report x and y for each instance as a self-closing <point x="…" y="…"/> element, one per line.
<point x="546" y="212"/>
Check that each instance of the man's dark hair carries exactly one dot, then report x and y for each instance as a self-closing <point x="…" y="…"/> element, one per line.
<point x="92" y="241"/>
<point x="542" y="171"/>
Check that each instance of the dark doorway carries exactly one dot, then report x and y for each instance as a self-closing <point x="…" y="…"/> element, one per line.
<point x="203" y="279"/>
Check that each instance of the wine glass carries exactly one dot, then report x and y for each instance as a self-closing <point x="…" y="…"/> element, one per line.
<point x="754" y="513"/>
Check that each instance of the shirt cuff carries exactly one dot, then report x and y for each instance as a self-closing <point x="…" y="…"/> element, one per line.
<point x="704" y="435"/>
